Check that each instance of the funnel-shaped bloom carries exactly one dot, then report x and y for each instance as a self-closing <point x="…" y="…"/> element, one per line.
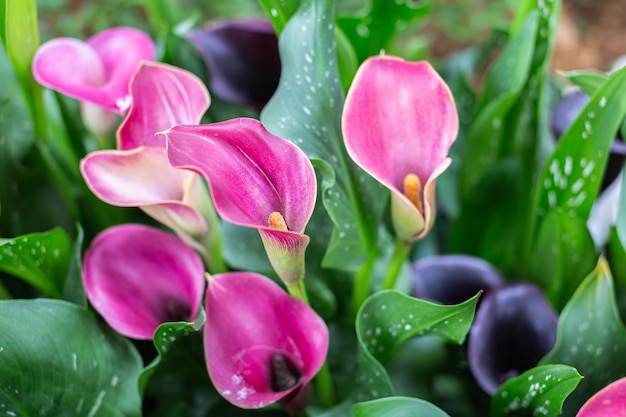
<point x="97" y="71"/>
<point x="452" y="279"/>
<point x="138" y="277"/>
<point x="257" y="180"/>
<point x="514" y="328"/>
<point x="609" y="401"/>
<point x="261" y="345"/>
<point x="399" y="122"/>
<point x="242" y="58"/>
<point x="138" y="174"/>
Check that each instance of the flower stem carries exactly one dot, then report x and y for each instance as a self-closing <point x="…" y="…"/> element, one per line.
<point x="362" y="283"/>
<point x="400" y="253"/>
<point x="298" y="290"/>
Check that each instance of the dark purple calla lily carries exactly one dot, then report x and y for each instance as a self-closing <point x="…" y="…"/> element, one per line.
<point x="564" y="114"/>
<point x="261" y="345"/>
<point x="610" y="401"/>
<point x="138" y="277"/>
<point x="513" y="329"/>
<point x="452" y="279"/>
<point x="243" y="60"/>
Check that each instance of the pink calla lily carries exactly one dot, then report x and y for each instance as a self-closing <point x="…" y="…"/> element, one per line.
<point x="261" y="345"/>
<point x="399" y="122"/>
<point x="138" y="174"/>
<point x="257" y="180"/>
<point x="609" y="401"/>
<point x="97" y="71"/>
<point x="138" y="277"/>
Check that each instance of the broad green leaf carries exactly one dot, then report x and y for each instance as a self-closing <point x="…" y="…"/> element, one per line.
<point x="22" y="41"/>
<point x="243" y="249"/>
<point x="564" y="255"/>
<point x="503" y="84"/>
<point x="591" y="337"/>
<point x="279" y="12"/>
<point x="397" y="407"/>
<point x="306" y="109"/>
<point x="539" y="391"/>
<point x="387" y="319"/>
<point x="570" y="179"/>
<point x="588" y="81"/>
<point x="41" y="259"/>
<point x="178" y="377"/>
<point x="58" y="359"/>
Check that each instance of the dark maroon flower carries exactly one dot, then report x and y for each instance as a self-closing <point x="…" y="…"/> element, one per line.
<point x="242" y="58"/>
<point x="452" y="279"/>
<point x="513" y="329"/>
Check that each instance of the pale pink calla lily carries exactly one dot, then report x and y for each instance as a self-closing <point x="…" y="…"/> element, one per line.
<point x="261" y="345"/>
<point x="257" y="180"/>
<point x="138" y="277"/>
<point x="97" y="71"/>
<point x="399" y="122"/>
<point x="138" y="174"/>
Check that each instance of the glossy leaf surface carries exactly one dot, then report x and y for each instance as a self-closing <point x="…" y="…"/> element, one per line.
<point x="58" y="359"/>
<point x="397" y="407"/>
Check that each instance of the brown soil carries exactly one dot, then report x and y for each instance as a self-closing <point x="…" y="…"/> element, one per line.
<point x="591" y="34"/>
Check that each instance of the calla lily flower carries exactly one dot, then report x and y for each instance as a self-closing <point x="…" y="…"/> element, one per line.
<point x="261" y="345"/>
<point x="242" y="58"/>
<point x="453" y="278"/>
<point x="609" y="401"/>
<point x="257" y="180"/>
<point x="514" y="328"/>
<point x="97" y="71"/>
<point x="138" y="277"/>
<point x="399" y="121"/>
<point x="138" y="174"/>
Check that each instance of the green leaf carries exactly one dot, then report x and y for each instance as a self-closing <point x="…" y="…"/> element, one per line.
<point x="588" y="81"/>
<point x="570" y="179"/>
<point x="504" y="82"/>
<point x="539" y="391"/>
<point x="387" y="319"/>
<point x="306" y="109"/>
<point x="22" y="41"/>
<point x="375" y="30"/>
<point x="564" y="255"/>
<point x="591" y="337"/>
<point x="397" y="407"/>
<point x="178" y="377"/>
<point x="41" y="259"/>
<point x="279" y="12"/>
<point x="58" y="359"/>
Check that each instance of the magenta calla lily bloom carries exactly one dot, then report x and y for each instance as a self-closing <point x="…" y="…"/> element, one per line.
<point x="257" y="180"/>
<point x="138" y="174"/>
<point x="399" y="122"/>
<point x="609" y="401"/>
<point x="138" y="277"/>
<point x="261" y="345"/>
<point x="97" y="71"/>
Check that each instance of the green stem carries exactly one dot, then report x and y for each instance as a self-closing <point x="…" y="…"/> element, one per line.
<point x="400" y="253"/>
<point x="362" y="284"/>
<point x="298" y="290"/>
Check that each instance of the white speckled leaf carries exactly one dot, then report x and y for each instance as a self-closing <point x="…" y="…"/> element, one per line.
<point x="539" y="391"/>
<point x="591" y="337"/>
<point x="389" y="318"/>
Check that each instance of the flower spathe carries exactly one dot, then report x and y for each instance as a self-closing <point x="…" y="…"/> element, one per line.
<point x="257" y="180"/>
<point x="256" y="337"/>
<point x="609" y="401"/>
<point x="138" y="174"/>
<point x="97" y="71"/>
<point x="398" y="122"/>
<point x="138" y="277"/>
